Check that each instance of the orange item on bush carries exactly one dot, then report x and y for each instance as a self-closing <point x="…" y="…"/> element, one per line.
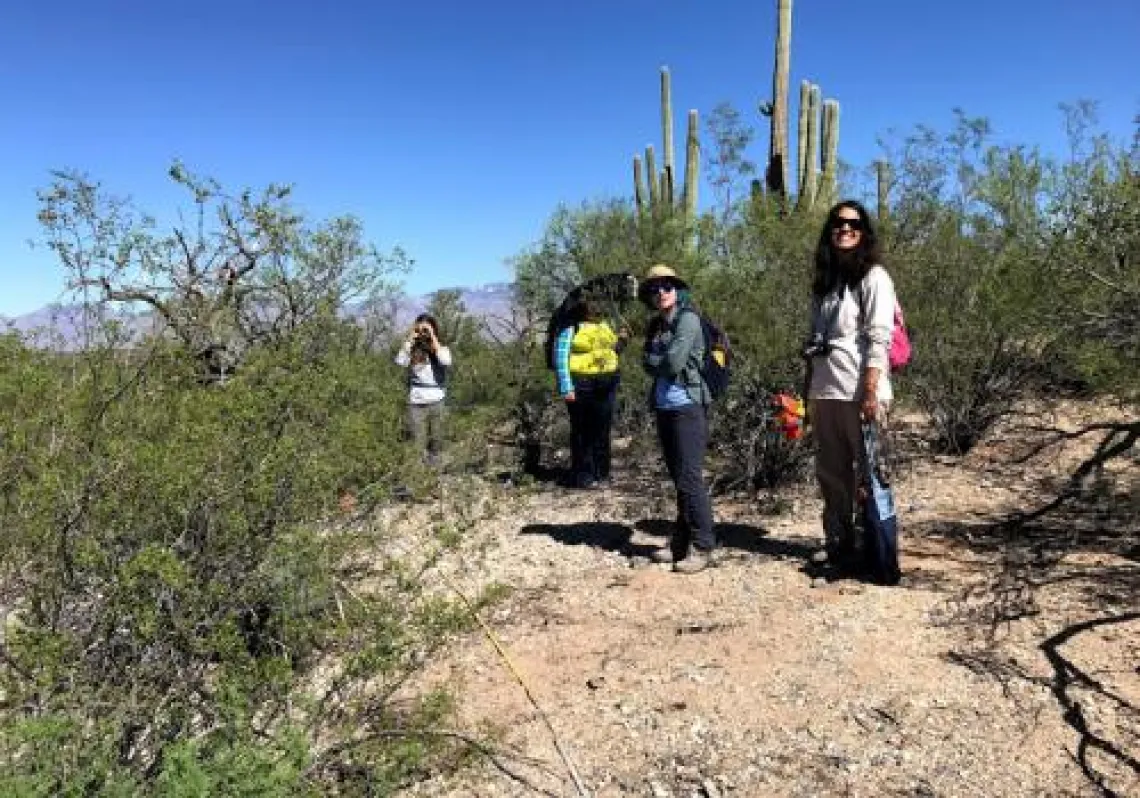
<point x="789" y="415"/>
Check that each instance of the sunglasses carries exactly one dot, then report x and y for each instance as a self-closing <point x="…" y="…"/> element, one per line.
<point x="840" y="222"/>
<point x="663" y="287"/>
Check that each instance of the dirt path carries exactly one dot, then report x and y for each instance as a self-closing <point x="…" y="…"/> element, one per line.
<point x="746" y="680"/>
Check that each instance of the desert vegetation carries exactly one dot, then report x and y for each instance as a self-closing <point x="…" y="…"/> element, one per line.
<point x="201" y="587"/>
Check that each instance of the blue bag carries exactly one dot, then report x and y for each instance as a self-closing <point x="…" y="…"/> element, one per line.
<point x="880" y="524"/>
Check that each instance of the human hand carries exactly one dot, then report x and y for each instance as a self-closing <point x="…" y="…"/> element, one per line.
<point x="570" y="398"/>
<point x="870" y="407"/>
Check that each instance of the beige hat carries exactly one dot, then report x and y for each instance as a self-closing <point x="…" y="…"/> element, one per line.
<point x="662" y="272"/>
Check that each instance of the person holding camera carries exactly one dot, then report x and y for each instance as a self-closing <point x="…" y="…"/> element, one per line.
<point x="427" y="361"/>
<point x="848" y="375"/>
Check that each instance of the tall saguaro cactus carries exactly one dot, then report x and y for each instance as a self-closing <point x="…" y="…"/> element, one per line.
<point x="651" y="178"/>
<point x="809" y="120"/>
<point x="692" y="167"/>
<point x="883" y="188"/>
<point x="777" y="174"/>
<point x="802" y="135"/>
<point x="828" y="189"/>
<point x="639" y="197"/>
<point x="667" y="136"/>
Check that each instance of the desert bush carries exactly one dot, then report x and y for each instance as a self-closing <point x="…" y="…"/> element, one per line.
<point x="186" y="608"/>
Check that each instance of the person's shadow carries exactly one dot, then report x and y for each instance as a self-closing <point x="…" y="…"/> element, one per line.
<point x="618" y="537"/>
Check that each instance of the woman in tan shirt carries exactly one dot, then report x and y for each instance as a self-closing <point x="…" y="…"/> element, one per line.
<point x="853" y="304"/>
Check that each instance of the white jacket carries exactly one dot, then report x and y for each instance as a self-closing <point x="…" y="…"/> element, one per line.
<point x="857" y="343"/>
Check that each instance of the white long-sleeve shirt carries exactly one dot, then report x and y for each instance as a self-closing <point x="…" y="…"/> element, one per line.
<point x="857" y="343"/>
<point x="424" y="389"/>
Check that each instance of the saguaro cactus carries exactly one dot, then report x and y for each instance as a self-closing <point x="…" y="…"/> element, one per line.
<point x="883" y="188"/>
<point x="692" y="167"/>
<point x="667" y="136"/>
<point x="651" y="177"/>
<point x="809" y="186"/>
<point x="801" y="135"/>
<point x="828" y="180"/>
<point x="638" y="185"/>
<point x="777" y="173"/>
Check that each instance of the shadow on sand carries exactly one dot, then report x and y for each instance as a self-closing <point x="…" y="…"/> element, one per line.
<point x="618" y="537"/>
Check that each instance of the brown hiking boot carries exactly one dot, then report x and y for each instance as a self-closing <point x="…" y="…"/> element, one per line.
<point x="697" y="561"/>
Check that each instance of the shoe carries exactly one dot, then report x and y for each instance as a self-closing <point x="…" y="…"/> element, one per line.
<point x="843" y="560"/>
<point x="663" y="555"/>
<point x="697" y="561"/>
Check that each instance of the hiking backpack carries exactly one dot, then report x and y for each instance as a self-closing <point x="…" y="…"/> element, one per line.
<point x="716" y="365"/>
<point x="899" y="353"/>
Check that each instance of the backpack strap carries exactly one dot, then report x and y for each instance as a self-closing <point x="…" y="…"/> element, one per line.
<point x="696" y="364"/>
<point x="438" y="373"/>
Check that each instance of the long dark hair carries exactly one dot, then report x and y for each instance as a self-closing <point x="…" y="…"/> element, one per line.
<point x="429" y="320"/>
<point x="832" y="266"/>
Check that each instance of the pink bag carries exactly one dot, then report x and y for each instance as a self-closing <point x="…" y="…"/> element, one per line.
<point x="899" y="353"/>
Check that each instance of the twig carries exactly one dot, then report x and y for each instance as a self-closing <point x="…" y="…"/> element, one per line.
<point x="1118" y="440"/>
<point x="578" y="783"/>
<point x="467" y="740"/>
<point x="1061" y="436"/>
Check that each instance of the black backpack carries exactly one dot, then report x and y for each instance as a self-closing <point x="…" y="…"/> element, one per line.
<point x="716" y="366"/>
<point x="607" y="288"/>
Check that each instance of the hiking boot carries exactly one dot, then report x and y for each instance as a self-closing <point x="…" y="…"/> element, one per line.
<point x="663" y="555"/>
<point x="697" y="561"/>
<point x="843" y="561"/>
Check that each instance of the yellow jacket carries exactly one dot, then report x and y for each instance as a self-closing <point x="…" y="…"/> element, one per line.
<point x="592" y="350"/>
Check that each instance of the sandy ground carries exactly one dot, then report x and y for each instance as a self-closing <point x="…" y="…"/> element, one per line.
<point x="995" y="670"/>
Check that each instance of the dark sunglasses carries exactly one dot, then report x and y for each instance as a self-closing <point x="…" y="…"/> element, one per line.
<point x="839" y="222"/>
<point x="659" y="287"/>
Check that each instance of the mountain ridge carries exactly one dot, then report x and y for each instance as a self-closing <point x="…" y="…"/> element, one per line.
<point x="64" y="321"/>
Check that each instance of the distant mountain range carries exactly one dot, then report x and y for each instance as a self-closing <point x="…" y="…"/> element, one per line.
<point x="62" y="325"/>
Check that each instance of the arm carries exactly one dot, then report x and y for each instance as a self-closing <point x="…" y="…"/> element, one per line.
<point x="562" y="361"/>
<point x="616" y="341"/>
<point x="878" y="297"/>
<point x="404" y="356"/>
<point x="442" y="355"/>
<point x="623" y="339"/>
<point x="673" y="360"/>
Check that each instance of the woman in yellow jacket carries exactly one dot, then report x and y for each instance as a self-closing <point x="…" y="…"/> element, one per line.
<point x="586" y="365"/>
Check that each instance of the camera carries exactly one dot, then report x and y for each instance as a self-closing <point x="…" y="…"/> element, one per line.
<point x="816" y="346"/>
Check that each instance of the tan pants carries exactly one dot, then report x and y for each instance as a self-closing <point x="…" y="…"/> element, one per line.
<point x="425" y="428"/>
<point x="838" y="464"/>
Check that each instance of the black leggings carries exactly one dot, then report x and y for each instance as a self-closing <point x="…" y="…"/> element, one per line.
<point x="591" y="419"/>
<point x="684" y="435"/>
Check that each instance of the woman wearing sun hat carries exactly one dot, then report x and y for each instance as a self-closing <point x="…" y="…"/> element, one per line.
<point x="679" y="397"/>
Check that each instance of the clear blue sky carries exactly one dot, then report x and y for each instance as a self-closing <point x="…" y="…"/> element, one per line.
<point x="455" y="128"/>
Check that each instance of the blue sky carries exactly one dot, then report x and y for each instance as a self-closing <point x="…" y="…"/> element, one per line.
<point x="455" y="128"/>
